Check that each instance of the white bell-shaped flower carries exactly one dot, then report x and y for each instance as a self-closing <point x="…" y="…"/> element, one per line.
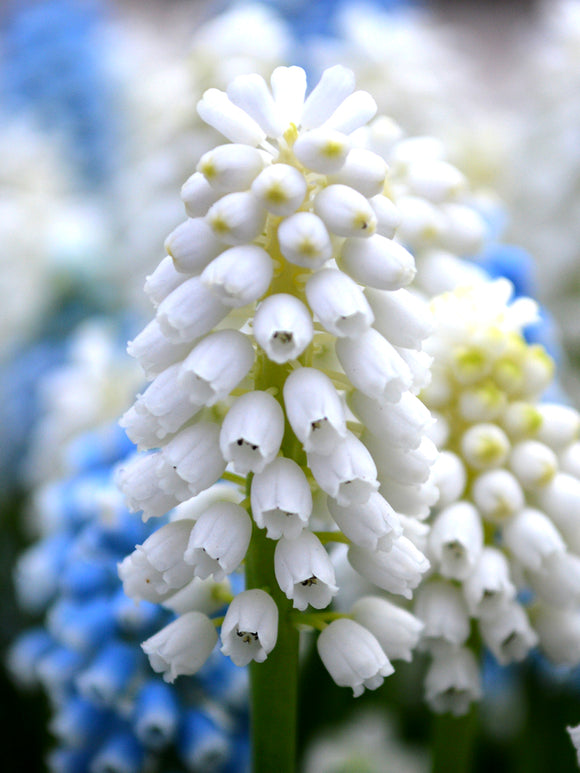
<point x="442" y="609"/>
<point x="281" y="499"/>
<point x="162" y="281"/>
<point x="531" y="537"/>
<point x="194" y="456"/>
<point x="402" y="424"/>
<point x="399" y="571"/>
<point x="508" y="633"/>
<point x="348" y="473"/>
<point x="450" y="477"/>
<point x="198" y="195"/>
<point x="559" y="633"/>
<point x="364" y="171"/>
<point x="415" y="501"/>
<point x="219" y="540"/>
<point x="138" y="480"/>
<point x="339" y="303"/>
<point x="192" y="245"/>
<point x="304" y="240"/>
<point x="236" y="218"/>
<point x="377" y="262"/>
<point x="352" y="656"/>
<point x="250" y="627"/>
<point x="141" y="581"/>
<point x="239" y="275"/>
<point x="497" y="495"/>
<point x="154" y="352"/>
<point x="560" y="500"/>
<point x="322" y="150"/>
<point x="419" y="364"/>
<point x="372" y="524"/>
<point x="400" y="316"/>
<point x="388" y="215"/>
<point x="533" y="463"/>
<point x="314" y="410"/>
<point x="252" y="432"/>
<point x="304" y="571"/>
<point x="190" y="311"/>
<point x="283" y="327"/>
<point x="182" y="647"/>
<point x="231" y="167"/>
<point x="280" y="188"/>
<point x="407" y="467"/>
<point x="345" y="212"/>
<point x="489" y="586"/>
<point x="203" y="595"/>
<point x="453" y="681"/>
<point x="395" y="629"/>
<point x="374" y="366"/>
<point x="456" y="540"/>
<point x="147" y="430"/>
<point x="215" y="366"/>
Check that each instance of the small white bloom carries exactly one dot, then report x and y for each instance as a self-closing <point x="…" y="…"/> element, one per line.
<point x="521" y="419"/>
<point x="339" y="303"/>
<point x="485" y="446"/>
<point x="348" y="473"/>
<point x="216" y="109"/>
<point x="137" y="479"/>
<point x="464" y="229"/>
<point x="322" y="150"/>
<point x="422" y="223"/>
<point x="352" y="656"/>
<point x="153" y="351"/>
<point x="398" y="571"/>
<point x="222" y="491"/>
<point x="190" y="311"/>
<point x="281" y="499"/>
<point x="215" y="366"/>
<point x="377" y="262"/>
<point x="364" y="171"/>
<point x="345" y="212"/>
<point x="374" y="366"/>
<point x="283" y="327"/>
<point x="304" y="571"/>
<point x="198" y="195"/>
<point x="164" y="549"/>
<point x="415" y="500"/>
<point x="219" y="540"/>
<point x="489" y="586"/>
<point x="531" y="537"/>
<point x="280" y="189"/>
<point x="435" y="180"/>
<point x="483" y="402"/>
<point x="559" y="633"/>
<point x="203" y="595"/>
<point x="419" y="364"/>
<point x="141" y="581"/>
<point x="450" y="477"/>
<point x="250" y="627"/>
<point x="402" y="424"/>
<point x="400" y="316"/>
<point x="252" y="432"/>
<point x="533" y="463"/>
<point x="558" y="581"/>
<point x="193" y="457"/>
<point x="239" y="275"/>
<point x="406" y="467"/>
<point x="162" y="281"/>
<point x="443" y="611"/>
<point x="396" y="629"/>
<point x="560" y="425"/>
<point x="304" y="240"/>
<point x="388" y="216"/>
<point x="508" y="633"/>
<point x="560" y="500"/>
<point x="236" y="218"/>
<point x="452" y="682"/>
<point x="372" y="524"/>
<point x="497" y="495"/>
<point x="192" y="245"/>
<point x="232" y="167"/>
<point x="314" y="410"/>
<point x="182" y="647"/>
<point x="456" y="540"/>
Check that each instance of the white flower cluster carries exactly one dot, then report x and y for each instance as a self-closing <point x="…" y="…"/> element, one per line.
<point x="285" y="355"/>
<point x="509" y="481"/>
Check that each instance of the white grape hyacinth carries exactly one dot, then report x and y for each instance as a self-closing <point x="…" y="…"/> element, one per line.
<point x="286" y="356"/>
<point x="504" y="543"/>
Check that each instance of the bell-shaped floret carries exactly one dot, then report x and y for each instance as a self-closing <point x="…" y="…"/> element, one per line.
<point x="281" y="499"/>
<point x="239" y="275"/>
<point x="219" y="540"/>
<point x="192" y="459"/>
<point x="339" y="303"/>
<point x="280" y="189"/>
<point x="304" y="571"/>
<point x="453" y="681"/>
<point x="283" y="327"/>
<point x="182" y="647"/>
<point x="252" y="432"/>
<point x="138" y="479"/>
<point x="304" y="240"/>
<point x="372" y="524"/>
<point x="230" y="168"/>
<point x="348" y="473"/>
<point x="456" y="540"/>
<point x="443" y="611"/>
<point x="400" y="316"/>
<point x="396" y="629"/>
<point x="399" y="571"/>
<point x="489" y="586"/>
<point x="345" y="212"/>
<point x="508" y="633"/>
<point x="377" y="262"/>
<point x="250" y="627"/>
<point x="190" y="311"/>
<point x="192" y="245"/>
<point x="162" y="281"/>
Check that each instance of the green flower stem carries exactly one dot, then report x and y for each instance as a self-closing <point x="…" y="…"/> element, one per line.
<point x="317" y="620"/>
<point x="453" y="741"/>
<point x="332" y="536"/>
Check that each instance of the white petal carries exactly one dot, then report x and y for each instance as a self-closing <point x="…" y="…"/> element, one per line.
<point x="234" y="123"/>
<point x="333" y="87"/>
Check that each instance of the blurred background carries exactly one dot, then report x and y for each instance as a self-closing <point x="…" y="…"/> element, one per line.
<point x="98" y="131"/>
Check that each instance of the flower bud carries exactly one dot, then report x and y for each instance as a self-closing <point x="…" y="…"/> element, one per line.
<point x="345" y="212"/>
<point x="236" y="218"/>
<point x="162" y="281"/>
<point x="402" y="424"/>
<point x="189" y="312"/>
<point x="560" y="425"/>
<point x="282" y="327"/>
<point x="377" y="262"/>
<point x="192" y="245"/>
<point x="322" y="150"/>
<point x="485" y="446"/>
<point x="250" y="92"/>
<point x="497" y="495"/>
<point x="388" y="216"/>
<point x="239" y="275"/>
<point x="364" y="171"/>
<point x="232" y="167"/>
<point x="450" y="477"/>
<point x="335" y="85"/>
<point x="533" y="463"/>
<point x="198" y="195"/>
<point x="532" y="537"/>
<point x="400" y="316"/>
<point x="280" y="189"/>
<point x="559" y="634"/>
<point x="154" y="351"/>
<point x="216" y="109"/>
<point x="304" y="240"/>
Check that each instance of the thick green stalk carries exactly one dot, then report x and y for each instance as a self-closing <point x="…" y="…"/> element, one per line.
<point x="453" y="741"/>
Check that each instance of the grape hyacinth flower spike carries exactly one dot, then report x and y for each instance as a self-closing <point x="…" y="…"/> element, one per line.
<point x="268" y="371"/>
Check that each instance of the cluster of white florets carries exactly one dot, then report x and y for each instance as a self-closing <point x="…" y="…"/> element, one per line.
<point x="509" y="481"/>
<point x="285" y="355"/>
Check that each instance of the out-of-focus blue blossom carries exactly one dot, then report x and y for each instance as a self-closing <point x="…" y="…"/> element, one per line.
<point x="55" y="66"/>
<point x="110" y="711"/>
